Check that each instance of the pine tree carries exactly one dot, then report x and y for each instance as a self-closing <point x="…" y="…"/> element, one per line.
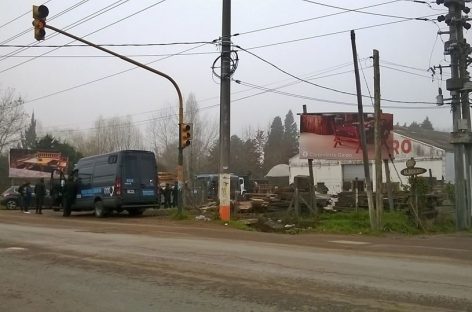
<point x="426" y="124"/>
<point x="290" y="138"/>
<point x="29" y="138"/>
<point x="274" y="148"/>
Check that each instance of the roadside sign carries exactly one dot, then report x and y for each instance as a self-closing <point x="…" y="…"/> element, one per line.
<point x="413" y="171"/>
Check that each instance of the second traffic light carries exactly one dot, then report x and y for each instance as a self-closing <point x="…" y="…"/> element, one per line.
<point x="185" y="135"/>
<point x="39" y="15"/>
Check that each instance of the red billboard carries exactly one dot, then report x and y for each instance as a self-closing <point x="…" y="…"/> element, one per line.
<point x="26" y="163"/>
<point x="337" y="136"/>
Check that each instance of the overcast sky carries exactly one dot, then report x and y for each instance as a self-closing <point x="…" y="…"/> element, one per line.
<point x="307" y="49"/>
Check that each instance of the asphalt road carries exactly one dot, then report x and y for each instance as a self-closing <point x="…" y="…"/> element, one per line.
<point x="50" y="263"/>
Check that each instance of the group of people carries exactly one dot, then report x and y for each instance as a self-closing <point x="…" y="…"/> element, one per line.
<point x="26" y="196"/>
<point x="170" y="195"/>
<point x="62" y="194"/>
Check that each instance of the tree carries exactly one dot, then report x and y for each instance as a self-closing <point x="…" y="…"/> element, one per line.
<point x="49" y="142"/>
<point x="28" y="139"/>
<point x="426" y="124"/>
<point x="290" y="138"/>
<point x="114" y="134"/>
<point x="414" y="126"/>
<point x="273" y="149"/>
<point x="12" y="119"/>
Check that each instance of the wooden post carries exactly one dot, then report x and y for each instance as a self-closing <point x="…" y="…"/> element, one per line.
<point x="365" y="157"/>
<point x="378" y="143"/>
<point x="389" y="186"/>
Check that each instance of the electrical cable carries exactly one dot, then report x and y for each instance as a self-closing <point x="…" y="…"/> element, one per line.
<point x="363" y="12"/>
<point x="91" y="33"/>
<point x="28" y="30"/>
<point x="107" y="45"/>
<point x="310" y="19"/>
<point x="321" y="100"/>
<point x="111" y="56"/>
<point x="366" y="83"/>
<point x="107" y="76"/>
<point x="328" y="88"/>
<point x="331" y="34"/>
<point x="74" y="24"/>
<point x="18" y="17"/>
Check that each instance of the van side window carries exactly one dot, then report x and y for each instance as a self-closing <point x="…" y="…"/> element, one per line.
<point x="112" y="159"/>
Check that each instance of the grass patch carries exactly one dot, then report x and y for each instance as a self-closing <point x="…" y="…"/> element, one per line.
<point x="175" y="215"/>
<point x="239" y="225"/>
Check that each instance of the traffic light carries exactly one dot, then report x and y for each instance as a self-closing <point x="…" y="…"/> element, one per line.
<point x="39" y="15"/>
<point x="185" y="135"/>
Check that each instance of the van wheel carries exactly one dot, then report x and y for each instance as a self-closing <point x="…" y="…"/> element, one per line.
<point x="99" y="209"/>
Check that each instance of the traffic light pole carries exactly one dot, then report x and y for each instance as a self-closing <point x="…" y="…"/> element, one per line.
<point x="180" y="176"/>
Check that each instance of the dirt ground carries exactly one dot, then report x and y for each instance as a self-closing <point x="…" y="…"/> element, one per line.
<point x="152" y="263"/>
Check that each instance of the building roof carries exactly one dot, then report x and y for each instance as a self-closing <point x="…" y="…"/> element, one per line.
<point x="281" y="170"/>
<point x="435" y="138"/>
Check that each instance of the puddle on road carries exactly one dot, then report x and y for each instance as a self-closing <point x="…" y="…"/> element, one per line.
<point x="346" y="242"/>
<point x="15" y="249"/>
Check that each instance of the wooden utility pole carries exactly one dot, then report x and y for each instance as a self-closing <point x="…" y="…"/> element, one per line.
<point x="362" y="133"/>
<point x="312" y="201"/>
<point x="389" y="186"/>
<point x="378" y="143"/>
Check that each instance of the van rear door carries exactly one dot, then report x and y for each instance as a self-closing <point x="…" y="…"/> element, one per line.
<point x="138" y="178"/>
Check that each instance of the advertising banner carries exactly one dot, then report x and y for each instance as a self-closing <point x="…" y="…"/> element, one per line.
<point x="26" y="163"/>
<point x="337" y="136"/>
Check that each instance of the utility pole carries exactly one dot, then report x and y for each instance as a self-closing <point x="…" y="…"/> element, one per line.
<point x="225" y="101"/>
<point x="365" y="157"/>
<point x="459" y="87"/>
<point x="378" y="143"/>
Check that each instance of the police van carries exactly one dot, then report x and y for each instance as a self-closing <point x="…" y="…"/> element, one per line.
<point x="124" y="180"/>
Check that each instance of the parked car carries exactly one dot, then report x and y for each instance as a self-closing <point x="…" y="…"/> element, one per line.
<point x="10" y="198"/>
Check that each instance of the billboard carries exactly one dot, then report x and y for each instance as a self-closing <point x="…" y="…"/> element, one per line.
<point x="26" y="163"/>
<point x="337" y="136"/>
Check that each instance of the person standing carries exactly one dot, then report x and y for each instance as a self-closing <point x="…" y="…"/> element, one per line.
<point x="40" y="192"/>
<point x="167" y="195"/>
<point x="70" y="193"/>
<point x="175" y="195"/>
<point x="27" y="197"/>
<point x="22" y="192"/>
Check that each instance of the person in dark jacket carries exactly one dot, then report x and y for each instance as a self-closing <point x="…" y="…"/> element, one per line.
<point x="40" y="193"/>
<point x="167" y="195"/>
<point x="175" y="195"/>
<point x="70" y="192"/>
<point x="27" y="197"/>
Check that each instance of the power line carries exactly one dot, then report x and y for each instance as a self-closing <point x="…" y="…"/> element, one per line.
<point x="405" y="71"/>
<point x="309" y="19"/>
<point x="316" y="75"/>
<point x="18" y="17"/>
<point x="111" y="56"/>
<point x="106" y="77"/>
<point x="329" y="34"/>
<point x="93" y="32"/>
<point x="108" y="45"/>
<point x="323" y="100"/>
<point x="363" y="12"/>
<point x="28" y="30"/>
<point x="76" y="23"/>
<point x="324" y="87"/>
